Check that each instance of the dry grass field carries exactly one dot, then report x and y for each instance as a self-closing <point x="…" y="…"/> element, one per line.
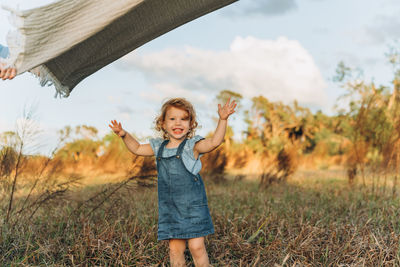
<point x="315" y="219"/>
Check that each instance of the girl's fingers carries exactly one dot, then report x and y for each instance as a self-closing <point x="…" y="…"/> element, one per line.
<point x="115" y="126"/>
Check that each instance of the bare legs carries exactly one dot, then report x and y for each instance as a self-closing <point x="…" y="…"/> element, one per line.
<point x="176" y="252"/>
<point x="197" y="249"/>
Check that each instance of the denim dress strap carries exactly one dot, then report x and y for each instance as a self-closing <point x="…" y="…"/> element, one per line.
<point x="161" y="149"/>
<point x="180" y="149"/>
<point x="178" y="153"/>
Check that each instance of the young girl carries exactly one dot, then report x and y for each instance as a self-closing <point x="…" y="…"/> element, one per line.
<point x="182" y="203"/>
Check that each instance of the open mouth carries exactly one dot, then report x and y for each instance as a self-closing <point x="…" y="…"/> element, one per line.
<point x="177" y="131"/>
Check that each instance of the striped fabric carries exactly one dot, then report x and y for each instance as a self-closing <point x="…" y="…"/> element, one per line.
<point x="68" y="40"/>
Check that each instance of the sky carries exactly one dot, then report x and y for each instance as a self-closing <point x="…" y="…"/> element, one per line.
<point x="284" y="50"/>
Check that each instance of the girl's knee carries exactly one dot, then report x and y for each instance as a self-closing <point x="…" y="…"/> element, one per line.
<point x="177" y="246"/>
<point x="196" y="246"/>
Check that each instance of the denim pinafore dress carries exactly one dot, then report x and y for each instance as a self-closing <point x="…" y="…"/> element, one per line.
<point x="182" y="202"/>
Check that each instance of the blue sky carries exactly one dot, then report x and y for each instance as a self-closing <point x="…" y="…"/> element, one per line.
<point x="281" y="49"/>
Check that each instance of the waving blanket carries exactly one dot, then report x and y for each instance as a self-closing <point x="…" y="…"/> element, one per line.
<point x="68" y="40"/>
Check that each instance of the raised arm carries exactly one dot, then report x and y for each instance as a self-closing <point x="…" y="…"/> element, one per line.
<point x="208" y="144"/>
<point x="130" y="142"/>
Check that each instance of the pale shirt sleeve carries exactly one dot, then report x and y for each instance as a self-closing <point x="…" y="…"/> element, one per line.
<point x="190" y="146"/>
<point x="155" y="144"/>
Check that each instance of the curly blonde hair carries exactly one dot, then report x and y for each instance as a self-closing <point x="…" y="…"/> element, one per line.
<point x="182" y="104"/>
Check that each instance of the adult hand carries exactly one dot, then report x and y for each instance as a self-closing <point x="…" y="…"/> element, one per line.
<point x="7" y="73"/>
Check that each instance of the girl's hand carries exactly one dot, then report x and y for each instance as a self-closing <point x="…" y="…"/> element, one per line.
<point x="117" y="128"/>
<point x="227" y="110"/>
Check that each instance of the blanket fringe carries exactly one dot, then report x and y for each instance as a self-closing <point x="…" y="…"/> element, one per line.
<point x="46" y="78"/>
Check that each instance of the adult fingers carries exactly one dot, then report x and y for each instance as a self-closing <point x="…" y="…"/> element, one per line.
<point x="8" y="73"/>
<point x="2" y="70"/>
<point x="13" y="73"/>
<point x="3" y="74"/>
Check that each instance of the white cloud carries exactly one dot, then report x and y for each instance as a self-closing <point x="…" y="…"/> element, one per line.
<point x="281" y="70"/>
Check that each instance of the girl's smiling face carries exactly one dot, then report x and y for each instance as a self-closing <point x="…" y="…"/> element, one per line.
<point x="176" y="123"/>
